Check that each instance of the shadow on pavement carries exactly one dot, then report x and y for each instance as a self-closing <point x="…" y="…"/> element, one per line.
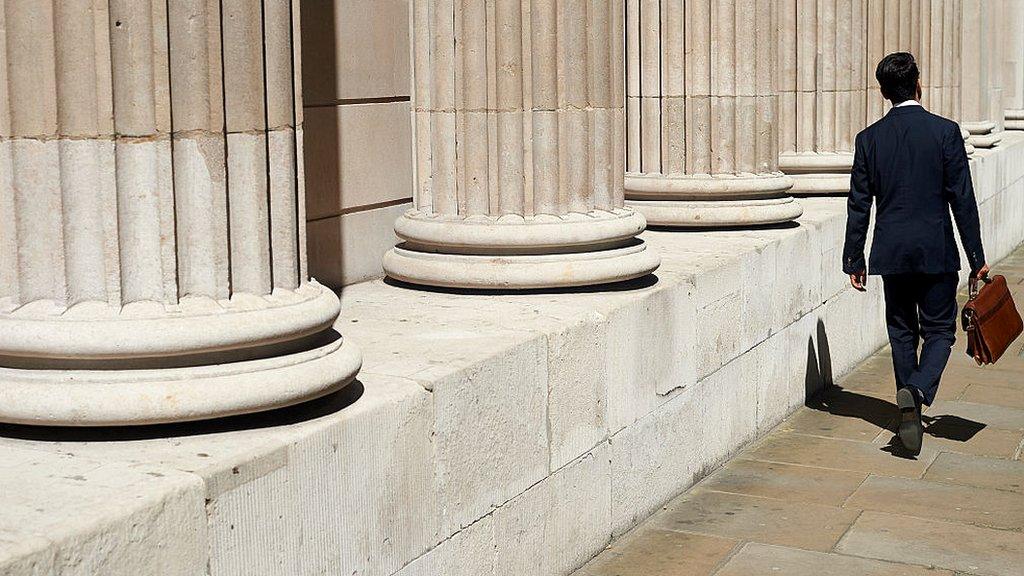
<point x="824" y="395"/>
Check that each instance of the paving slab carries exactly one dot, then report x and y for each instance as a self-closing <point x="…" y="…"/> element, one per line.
<point x="765" y="560"/>
<point x="995" y="473"/>
<point x="942" y="501"/>
<point x="949" y="545"/>
<point x="987" y="441"/>
<point x="1012" y="397"/>
<point x="788" y="523"/>
<point x="652" y="552"/>
<point x="841" y="413"/>
<point x="990" y="415"/>
<point x="785" y="481"/>
<point x="971" y="373"/>
<point x="839" y="454"/>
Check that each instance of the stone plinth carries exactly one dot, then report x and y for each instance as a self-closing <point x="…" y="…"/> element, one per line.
<point x="702" y="114"/>
<point x="821" y="91"/>
<point x="518" y="112"/>
<point x="152" y="245"/>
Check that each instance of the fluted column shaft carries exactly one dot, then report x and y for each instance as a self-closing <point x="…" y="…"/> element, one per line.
<point x="932" y="31"/>
<point x="822" y="89"/>
<point x="1013" y="64"/>
<point x="981" y="71"/>
<point x="151" y="248"/>
<point x="702" y="121"/>
<point x="937" y="52"/>
<point x="892" y="26"/>
<point x="518" y="114"/>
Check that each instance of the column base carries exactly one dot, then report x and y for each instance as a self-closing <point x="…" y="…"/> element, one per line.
<point x="521" y="272"/>
<point x="719" y="201"/>
<point x="983" y="134"/>
<point x="1014" y="120"/>
<point x="160" y="396"/>
<point x="154" y="363"/>
<point x="818" y="174"/>
<point x="517" y="253"/>
<point x="719" y="214"/>
<point x="968" y="147"/>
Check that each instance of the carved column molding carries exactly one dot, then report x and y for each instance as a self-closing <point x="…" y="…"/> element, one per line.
<point x="1013" y="64"/>
<point x="702" y="114"/>
<point x="518" y="112"/>
<point x="981" y="71"/>
<point x="822" y="88"/>
<point x="152" y="258"/>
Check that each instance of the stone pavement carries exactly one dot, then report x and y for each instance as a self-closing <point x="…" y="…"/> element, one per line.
<point x="829" y="491"/>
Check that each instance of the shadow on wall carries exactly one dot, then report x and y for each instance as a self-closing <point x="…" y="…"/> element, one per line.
<point x="321" y="151"/>
<point x="818" y="376"/>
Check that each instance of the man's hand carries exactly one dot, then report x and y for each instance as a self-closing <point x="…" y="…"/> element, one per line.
<point x="858" y="280"/>
<point x="976" y="277"/>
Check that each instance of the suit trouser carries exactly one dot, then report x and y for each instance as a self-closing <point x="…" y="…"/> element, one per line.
<point x="920" y="307"/>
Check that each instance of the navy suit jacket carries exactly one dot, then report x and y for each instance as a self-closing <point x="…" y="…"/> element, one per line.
<point x="913" y="166"/>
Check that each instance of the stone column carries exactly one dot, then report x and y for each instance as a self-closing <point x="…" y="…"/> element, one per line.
<point x="890" y="28"/>
<point x="152" y="257"/>
<point x="929" y="29"/>
<point x="981" y="64"/>
<point x="822" y="91"/>
<point x="518" y="112"/>
<point x="702" y="114"/>
<point x="1013" y="64"/>
<point x="938" y="57"/>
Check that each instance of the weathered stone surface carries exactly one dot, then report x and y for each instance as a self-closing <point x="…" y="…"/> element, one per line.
<point x="785" y="482"/>
<point x="941" y="501"/>
<point x="57" y="516"/>
<point x="504" y="451"/>
<point x="649" y="551"/>
<point x="997" y="473"/>
<point x="988" y="414"/>
<point x="947" y="545"/>
<point x="765" y="560"/>
<point x="838" y="454"/>
<point x="967" y="439"/>
<point x="999" y="395"/>
<point x="797" y="524"/>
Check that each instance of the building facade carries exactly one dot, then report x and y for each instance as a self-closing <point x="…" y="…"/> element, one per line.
<point x="523" y="389"/>
<point x="155" y="198"/>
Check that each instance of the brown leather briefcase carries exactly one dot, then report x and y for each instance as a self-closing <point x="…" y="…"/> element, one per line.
<point x="991" y="321"/>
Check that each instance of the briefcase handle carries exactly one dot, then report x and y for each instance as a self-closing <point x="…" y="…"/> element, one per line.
<point x="973" y="292"/>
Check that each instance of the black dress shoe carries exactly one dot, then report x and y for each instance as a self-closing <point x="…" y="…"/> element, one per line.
<point x="911" y="430"/>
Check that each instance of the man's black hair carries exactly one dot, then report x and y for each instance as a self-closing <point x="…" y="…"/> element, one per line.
<point x="897" y="75"/>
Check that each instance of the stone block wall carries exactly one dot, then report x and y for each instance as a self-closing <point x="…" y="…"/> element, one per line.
<point x="358" y="139"/>
<point x="516" y="434"/>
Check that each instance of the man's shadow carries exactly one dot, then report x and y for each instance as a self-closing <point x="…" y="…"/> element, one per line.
<point x="822" y="393"/>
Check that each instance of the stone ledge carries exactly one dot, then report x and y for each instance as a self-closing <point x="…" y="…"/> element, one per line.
<point x="496" y="434"/>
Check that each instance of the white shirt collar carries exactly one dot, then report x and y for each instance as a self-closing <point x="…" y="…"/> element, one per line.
<point x="907" y="103"/>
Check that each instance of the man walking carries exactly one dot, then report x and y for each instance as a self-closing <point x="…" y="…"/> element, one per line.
<point x="913" y="166"/>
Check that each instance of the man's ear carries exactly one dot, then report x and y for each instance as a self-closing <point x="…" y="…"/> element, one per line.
<point x="919" y="90"/>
